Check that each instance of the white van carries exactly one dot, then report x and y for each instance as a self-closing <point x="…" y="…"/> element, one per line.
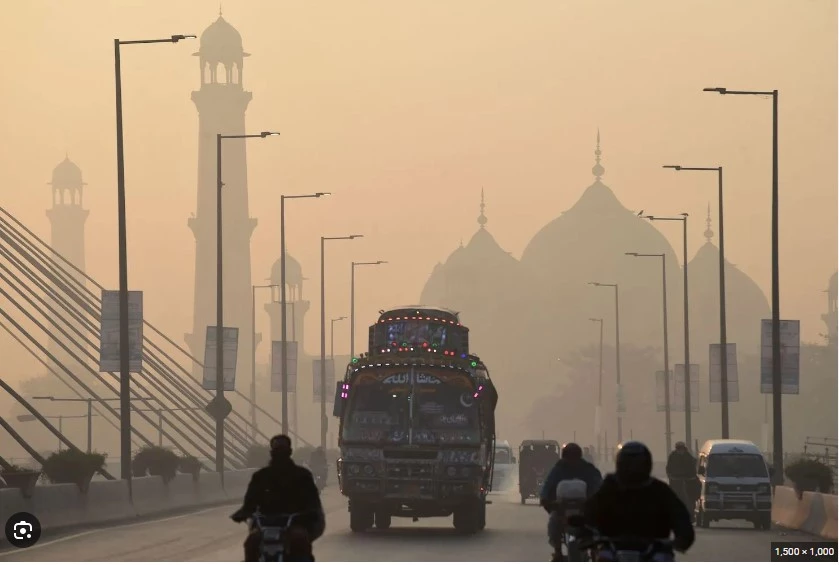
<point x="735" y="483"/>
<point x="504" y="468"/>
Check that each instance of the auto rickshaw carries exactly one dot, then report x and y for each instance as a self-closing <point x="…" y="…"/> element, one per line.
<point x="536" y="459"/>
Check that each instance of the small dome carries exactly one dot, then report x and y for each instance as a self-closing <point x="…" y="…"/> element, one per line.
<point x="221" y="42"/>
<point x="293" y="272"/>
<point x="67" y="175"/>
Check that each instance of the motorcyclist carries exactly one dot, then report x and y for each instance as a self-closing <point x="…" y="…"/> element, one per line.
<point x="570" y="466"/>
<point x="283" y="488"/>
<point x="632" y="504"/>
<point x="318" y="464"/>
<point x="681" y="472"/>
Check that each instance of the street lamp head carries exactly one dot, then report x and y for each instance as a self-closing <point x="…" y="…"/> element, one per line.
<point x="176" y="38"/>
<point x="264" y="134"/>
<point x="632" y="254"/>
<point x="715" y="89"/>
<point x="674" y="167"/>
<point x="650" y="217"/>
<point x="319" y="194"/>
<point x="685" y="214"/>
<point x="381" y="262"/>
<point x="593" y="284"/>
<point x="355" y="236"/>
<point x="42" y="397"/>
<point x="595" y="319"/>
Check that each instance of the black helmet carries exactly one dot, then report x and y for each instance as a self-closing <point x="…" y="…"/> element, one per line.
<point x="571" y="451"/>
<point x="681" y="445"/>
<point x="633" y="463"/>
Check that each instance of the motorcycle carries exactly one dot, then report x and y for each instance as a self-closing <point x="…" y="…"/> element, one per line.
<point x="570" y="538"/>
<point x="602" y="548"/>
<point x="272" y="531"/>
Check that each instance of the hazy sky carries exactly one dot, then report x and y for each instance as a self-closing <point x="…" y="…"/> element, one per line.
<point x="404" y="110"/>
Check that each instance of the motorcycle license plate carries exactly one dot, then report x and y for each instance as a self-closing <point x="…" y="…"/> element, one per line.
<point x="629" y="556"/>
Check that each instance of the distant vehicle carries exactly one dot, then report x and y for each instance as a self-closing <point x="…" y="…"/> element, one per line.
<point x="735" y="484"/>
<point x="504" y="467"/>
<point x="536" y="458"/>
<point x="417" y="423"/>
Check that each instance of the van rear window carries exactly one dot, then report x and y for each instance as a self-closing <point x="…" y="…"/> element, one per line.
<point x="736" y="465"/>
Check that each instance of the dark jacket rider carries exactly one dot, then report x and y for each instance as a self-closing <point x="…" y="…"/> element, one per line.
<point x="283" y="488"/>
<point x="680" y="463"/>
<point x="632" y="504"/>
<point x="317" y="462"/>
<point x="570" y="466"/>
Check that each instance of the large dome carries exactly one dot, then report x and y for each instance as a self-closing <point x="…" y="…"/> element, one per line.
<point x="588" y="243"/>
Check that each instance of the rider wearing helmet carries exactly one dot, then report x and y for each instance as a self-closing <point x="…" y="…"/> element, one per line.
<point x="681" y="472"/>
<point x="631" y="503"/>
<point x="570" y="466"/>
<point x="283" y="488"/>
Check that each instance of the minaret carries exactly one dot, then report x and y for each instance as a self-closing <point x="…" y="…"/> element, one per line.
<point x="297" y="307"/>
<point x="67" y="218"/>
<point x="221" y="102"/>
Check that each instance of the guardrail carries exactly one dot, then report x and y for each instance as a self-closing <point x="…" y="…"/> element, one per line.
<point x="814" y="513"/>
<point x="63" y="506"/>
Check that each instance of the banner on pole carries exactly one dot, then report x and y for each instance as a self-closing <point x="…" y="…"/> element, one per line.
<point x="716" y="376"/>
<point x="330" y="380"/>
<point x="621" y="400"/>
<point x="230" y="352"/>
<point x="790" y="356"/>
<point x="277" y="366"/>
<point x="661" y="404"/>
<point x="677" y="403"/>
<point x="109" y="342"/>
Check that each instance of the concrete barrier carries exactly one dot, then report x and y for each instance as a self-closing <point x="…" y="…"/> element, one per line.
<point x="814" y="513"/>
<point x="62" y="506"/>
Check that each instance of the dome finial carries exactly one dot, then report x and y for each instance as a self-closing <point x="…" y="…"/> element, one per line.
<point x="219" y="9"/>
<point x="482" y="219"/>
<point x="709" y="233"/>
<point x="597" y="170"/>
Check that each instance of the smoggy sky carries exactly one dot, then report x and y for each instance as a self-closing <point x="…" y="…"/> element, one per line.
<point x="404" y="110"/>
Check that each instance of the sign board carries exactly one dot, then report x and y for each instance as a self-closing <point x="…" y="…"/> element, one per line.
<point x="109" y="332"/>
<point x="790" y="356"/>
<point x="621" y="400"/>
<point x="230" y="351"/>
<point x="661" y="405"/>
<point x="731" y="376"/>
<point x="277" y="366"/>
<point x="677" y="402"/>
<point x="330" y="379"/>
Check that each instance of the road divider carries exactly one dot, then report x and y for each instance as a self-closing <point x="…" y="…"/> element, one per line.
<point x="814" y="512"/>
<point x="64" y="506"/>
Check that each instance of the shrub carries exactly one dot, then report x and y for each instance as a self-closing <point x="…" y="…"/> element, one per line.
<point x="258" y="456"/>
<point x="189" y="464"/>
<point x="73" y="466"/>
<point x="156" y="461"/>
<point x="16" y="469"/>
<point x="810" y="475"/>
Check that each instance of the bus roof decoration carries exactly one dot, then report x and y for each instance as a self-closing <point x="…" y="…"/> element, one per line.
<point x="419" y="330"/>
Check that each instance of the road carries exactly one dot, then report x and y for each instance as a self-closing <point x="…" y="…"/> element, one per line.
<point x="514" y="533"/>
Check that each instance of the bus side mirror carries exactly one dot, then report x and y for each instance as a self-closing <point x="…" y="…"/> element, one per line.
<point x="338" y="404"/>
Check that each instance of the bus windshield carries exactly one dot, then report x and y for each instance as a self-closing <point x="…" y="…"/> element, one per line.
<point x="419" y="407"/>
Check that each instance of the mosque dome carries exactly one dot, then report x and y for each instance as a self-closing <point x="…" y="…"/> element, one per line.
<point x="221" y="42"/>
<point x="293" y="272"/>
<point x="746" y="304"/>
<point x="67" y="176"/>
<point x="589" y="243"/>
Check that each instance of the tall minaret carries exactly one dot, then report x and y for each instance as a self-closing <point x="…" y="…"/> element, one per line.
<point x="221" y="102"/>
<point x="67" y="218"/>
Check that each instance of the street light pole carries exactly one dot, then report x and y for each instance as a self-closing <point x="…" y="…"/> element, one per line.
<point x="323" y="420"/>
<point x="617" y="355"/>
<point x="220" y="298"/>
<point x="124" y="364"/>
<point x="777" y="405"/>
<point x="667" y="432"/>
<point x="688" y="415"/>
<point x="599" y="386"/>
<point x="352" y="300"/>
<point x="332" y="338"/>
<point x="283" y="313"/>
<point x="723" y="324"/>
<point x="253" y="356"/>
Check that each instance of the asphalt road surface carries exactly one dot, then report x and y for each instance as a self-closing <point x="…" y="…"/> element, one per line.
<point x="514" y="533"/>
